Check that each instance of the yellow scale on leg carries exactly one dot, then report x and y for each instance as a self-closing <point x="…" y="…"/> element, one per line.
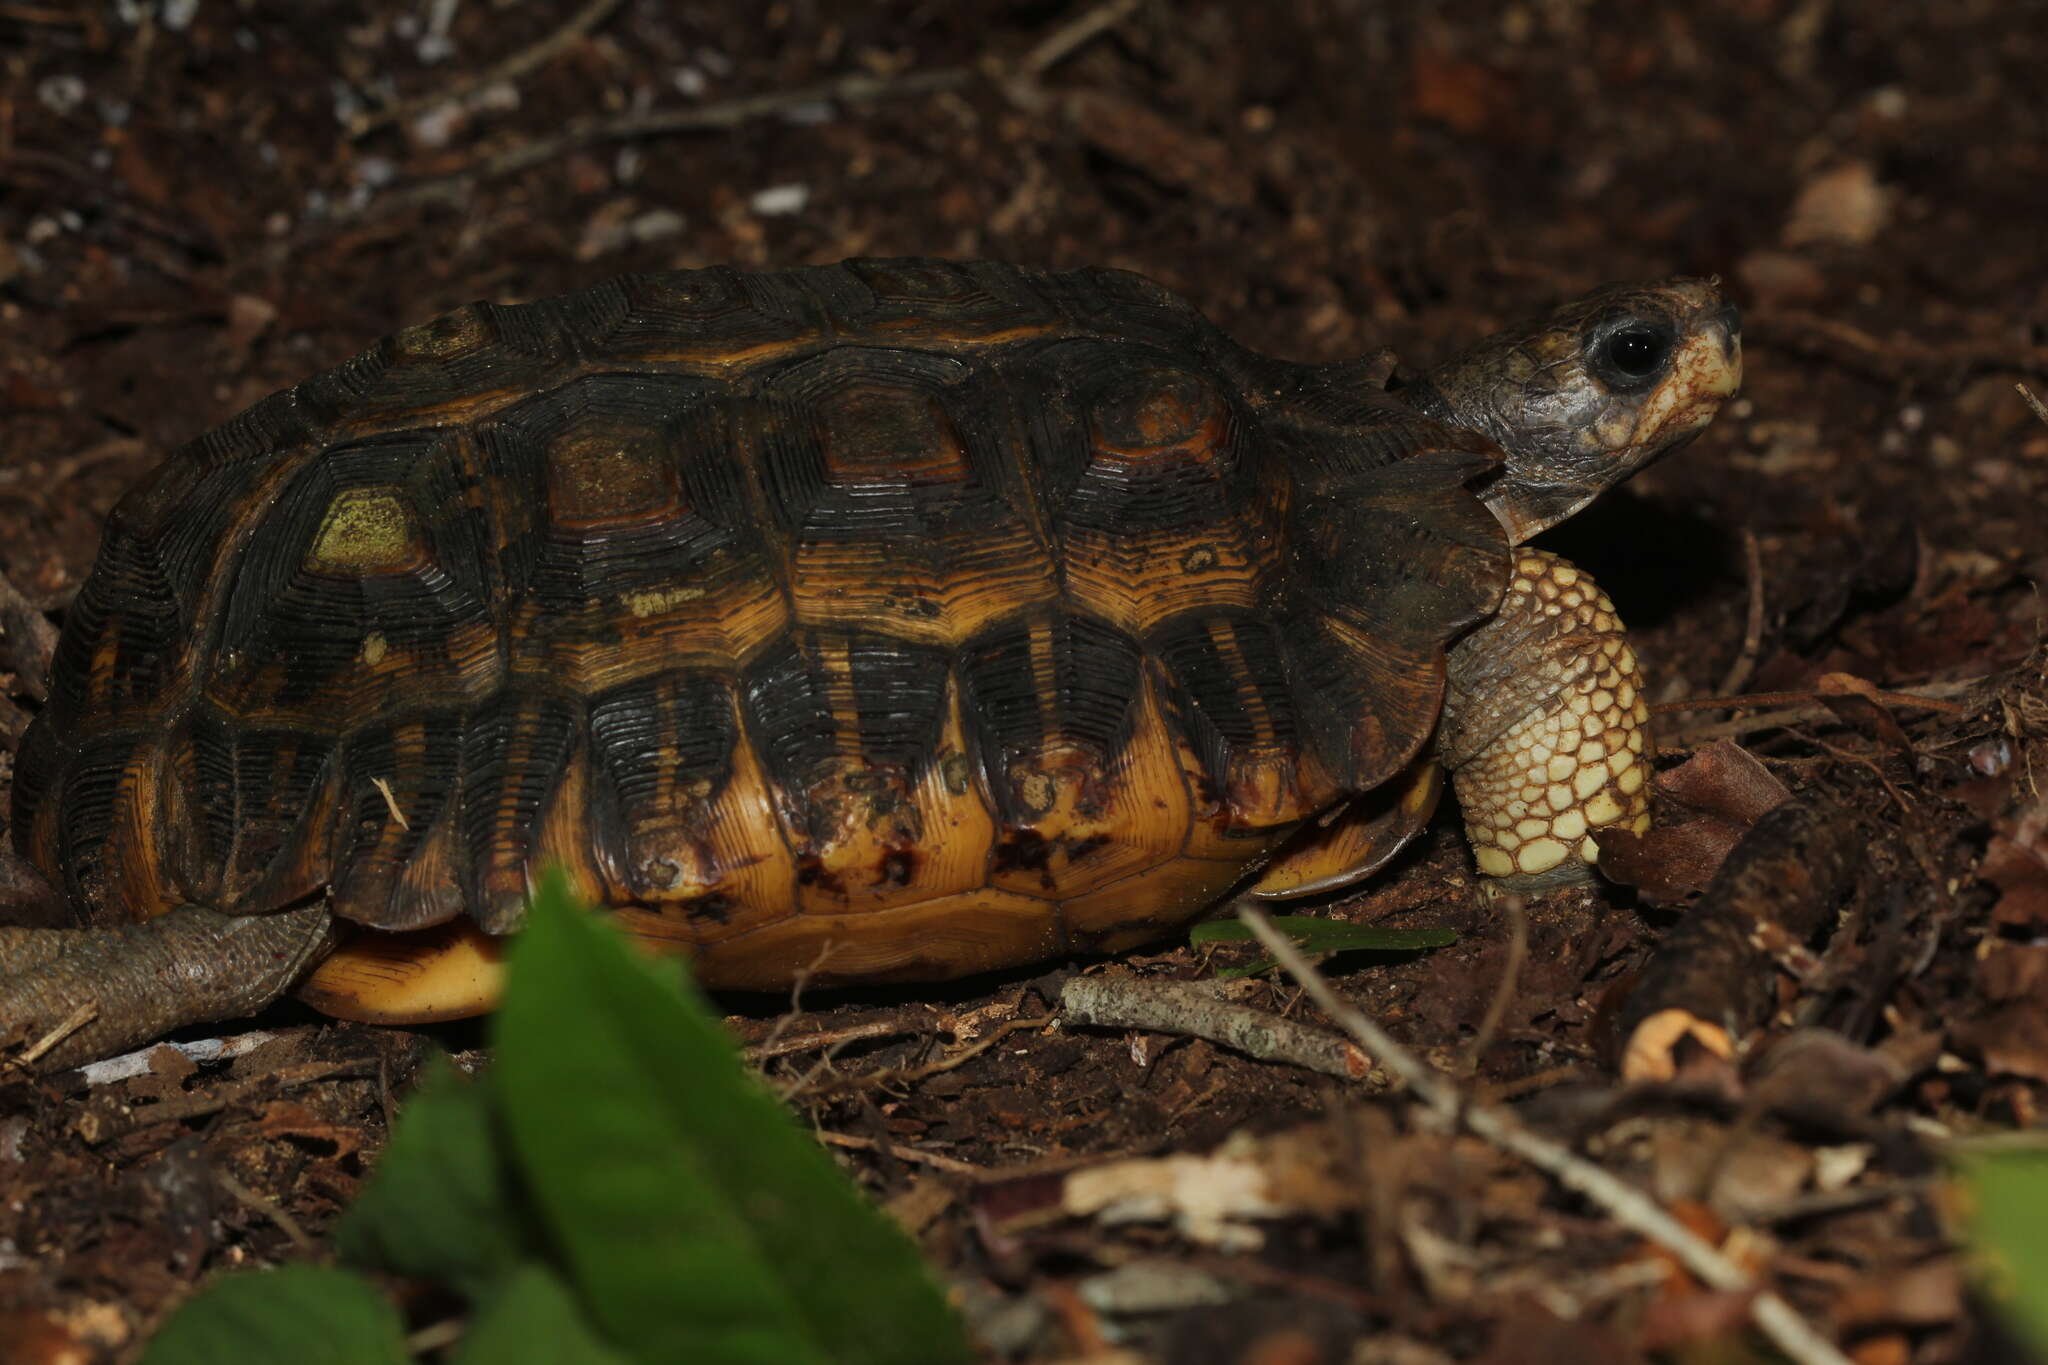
<point x="1546" y="730"/>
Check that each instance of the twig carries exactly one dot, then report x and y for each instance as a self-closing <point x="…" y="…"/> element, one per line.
<point x="908" y="1074"/>
<point x="196" y="1106"/>
<point x="1928" y="698"/>
<point x="1932" y="697"/>
<point x="858" y="88"/>
<point x="136" y="1063"/>
<point x="31" y="14"/>
<point x="390" y="802"/>
<point x="511" y="69"/>
<point x="68" y="1025"/>
<point x="1753" y="630"/>
<point x="1185" y="1007"/>
<point x="796" y="993"/>
<point x="1504" y="991"/>
<point x="910" y="1154"/>
<point x="1892" y="358"/>
<point x="1777" y="1319"/>
<point x="833" y="1037"/>
<point x="270" y="1209"/>
<point x="437" y="1336"/>
<point x="2040" y="411"/>
<point x="1064" y="41"/>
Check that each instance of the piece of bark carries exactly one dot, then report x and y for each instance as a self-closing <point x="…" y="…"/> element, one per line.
<point x="1777" y="889"/>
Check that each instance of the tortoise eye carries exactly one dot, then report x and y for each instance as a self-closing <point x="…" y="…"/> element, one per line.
<point x="1637" y="352"/>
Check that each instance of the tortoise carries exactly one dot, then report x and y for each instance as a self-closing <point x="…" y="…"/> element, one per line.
<point x="888" y="620"/>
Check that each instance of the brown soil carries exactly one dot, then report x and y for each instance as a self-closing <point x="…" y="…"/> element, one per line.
<point x="186" y="224"/>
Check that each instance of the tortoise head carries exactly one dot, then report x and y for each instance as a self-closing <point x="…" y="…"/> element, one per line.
<point x="1585" y="397"/>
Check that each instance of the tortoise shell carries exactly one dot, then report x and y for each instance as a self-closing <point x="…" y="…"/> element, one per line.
<point x="893" y="619"/>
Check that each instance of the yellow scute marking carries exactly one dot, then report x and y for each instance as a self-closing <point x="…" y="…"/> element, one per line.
<point x="654" y="601"/>
<point x="365" y="529"/>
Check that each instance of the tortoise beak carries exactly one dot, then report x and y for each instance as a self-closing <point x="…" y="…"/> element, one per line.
<point x="1727" y="322"/>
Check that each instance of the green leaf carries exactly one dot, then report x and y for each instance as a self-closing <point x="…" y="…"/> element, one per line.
<point x="2010" y="1191"/>
<point x="442" y="1203"/>
<point x="533" y="1320"/>
<point x="310" y="1315"/>
<point x="1316" y="935"/>
<point x="695" y="1219"/>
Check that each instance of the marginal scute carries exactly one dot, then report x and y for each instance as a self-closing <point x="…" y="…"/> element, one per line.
<point x="398" y="789"/>
<point x="516" y="749"/>
<point x="845" y="723"/>
<point x="1236" y="705"/>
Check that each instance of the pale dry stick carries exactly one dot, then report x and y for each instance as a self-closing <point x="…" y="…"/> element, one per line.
<point x="858" y="88"/>
<point x="129" y="1065"/>
<point x="1753" y="629"/>
<point x="875" y="1028"/>
<point x="912" y="1155"/>
<point x="511" y="68"/>
<point x="1629" y="1206"/>
<point x="1929" y="697"/>
<point x="908" y="1074"/>
<point x="438" y="1336"/>
<point x="68" y="1025"/>
<point x="1932" y="697"/>
<point x="193" y="1106"/>
<point x="2040" y="410"/>
<point x="1064" y="41"/>
<point x="1185" y="1007"/>
<point x="1893" y="357"/>
<point x="796" y="993"/>
<point x="390" y="802"/>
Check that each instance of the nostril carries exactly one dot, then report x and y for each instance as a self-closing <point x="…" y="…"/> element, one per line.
<point x="1730" y="318"/>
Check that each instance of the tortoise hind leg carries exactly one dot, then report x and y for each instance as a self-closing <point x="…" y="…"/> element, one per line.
<point x="1545" y="729"/>
<point x="189" y="966"/>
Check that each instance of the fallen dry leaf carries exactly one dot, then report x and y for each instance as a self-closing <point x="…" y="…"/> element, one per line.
<point x="2016" y="862"/>
<point x="1722" y="790"/>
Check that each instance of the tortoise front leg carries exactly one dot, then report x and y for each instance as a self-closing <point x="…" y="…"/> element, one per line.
<point x="1545" y="729"/>
<point x="189" y="966"/>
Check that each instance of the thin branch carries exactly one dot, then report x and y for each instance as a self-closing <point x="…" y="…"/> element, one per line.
<point x="775" y="1046"/>
<point x="68" y="1025"/>
<point x="858" y="88"/>
<point x="1629" y="1206"/>
<point x="1932" y="697"/>
<point x="1186" y="1007"/>
<point x="1895" y="357"/>
<point x="914" y="1156"/>
<point x="809" y="1086"/>
<point x="512" y="68"/>
<point x="2040" y="410"/>
<point x="1753" y="629"/>
<point x="1064" y="41"/>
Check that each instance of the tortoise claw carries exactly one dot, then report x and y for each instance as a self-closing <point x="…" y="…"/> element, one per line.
<point x="128" y="984"/>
